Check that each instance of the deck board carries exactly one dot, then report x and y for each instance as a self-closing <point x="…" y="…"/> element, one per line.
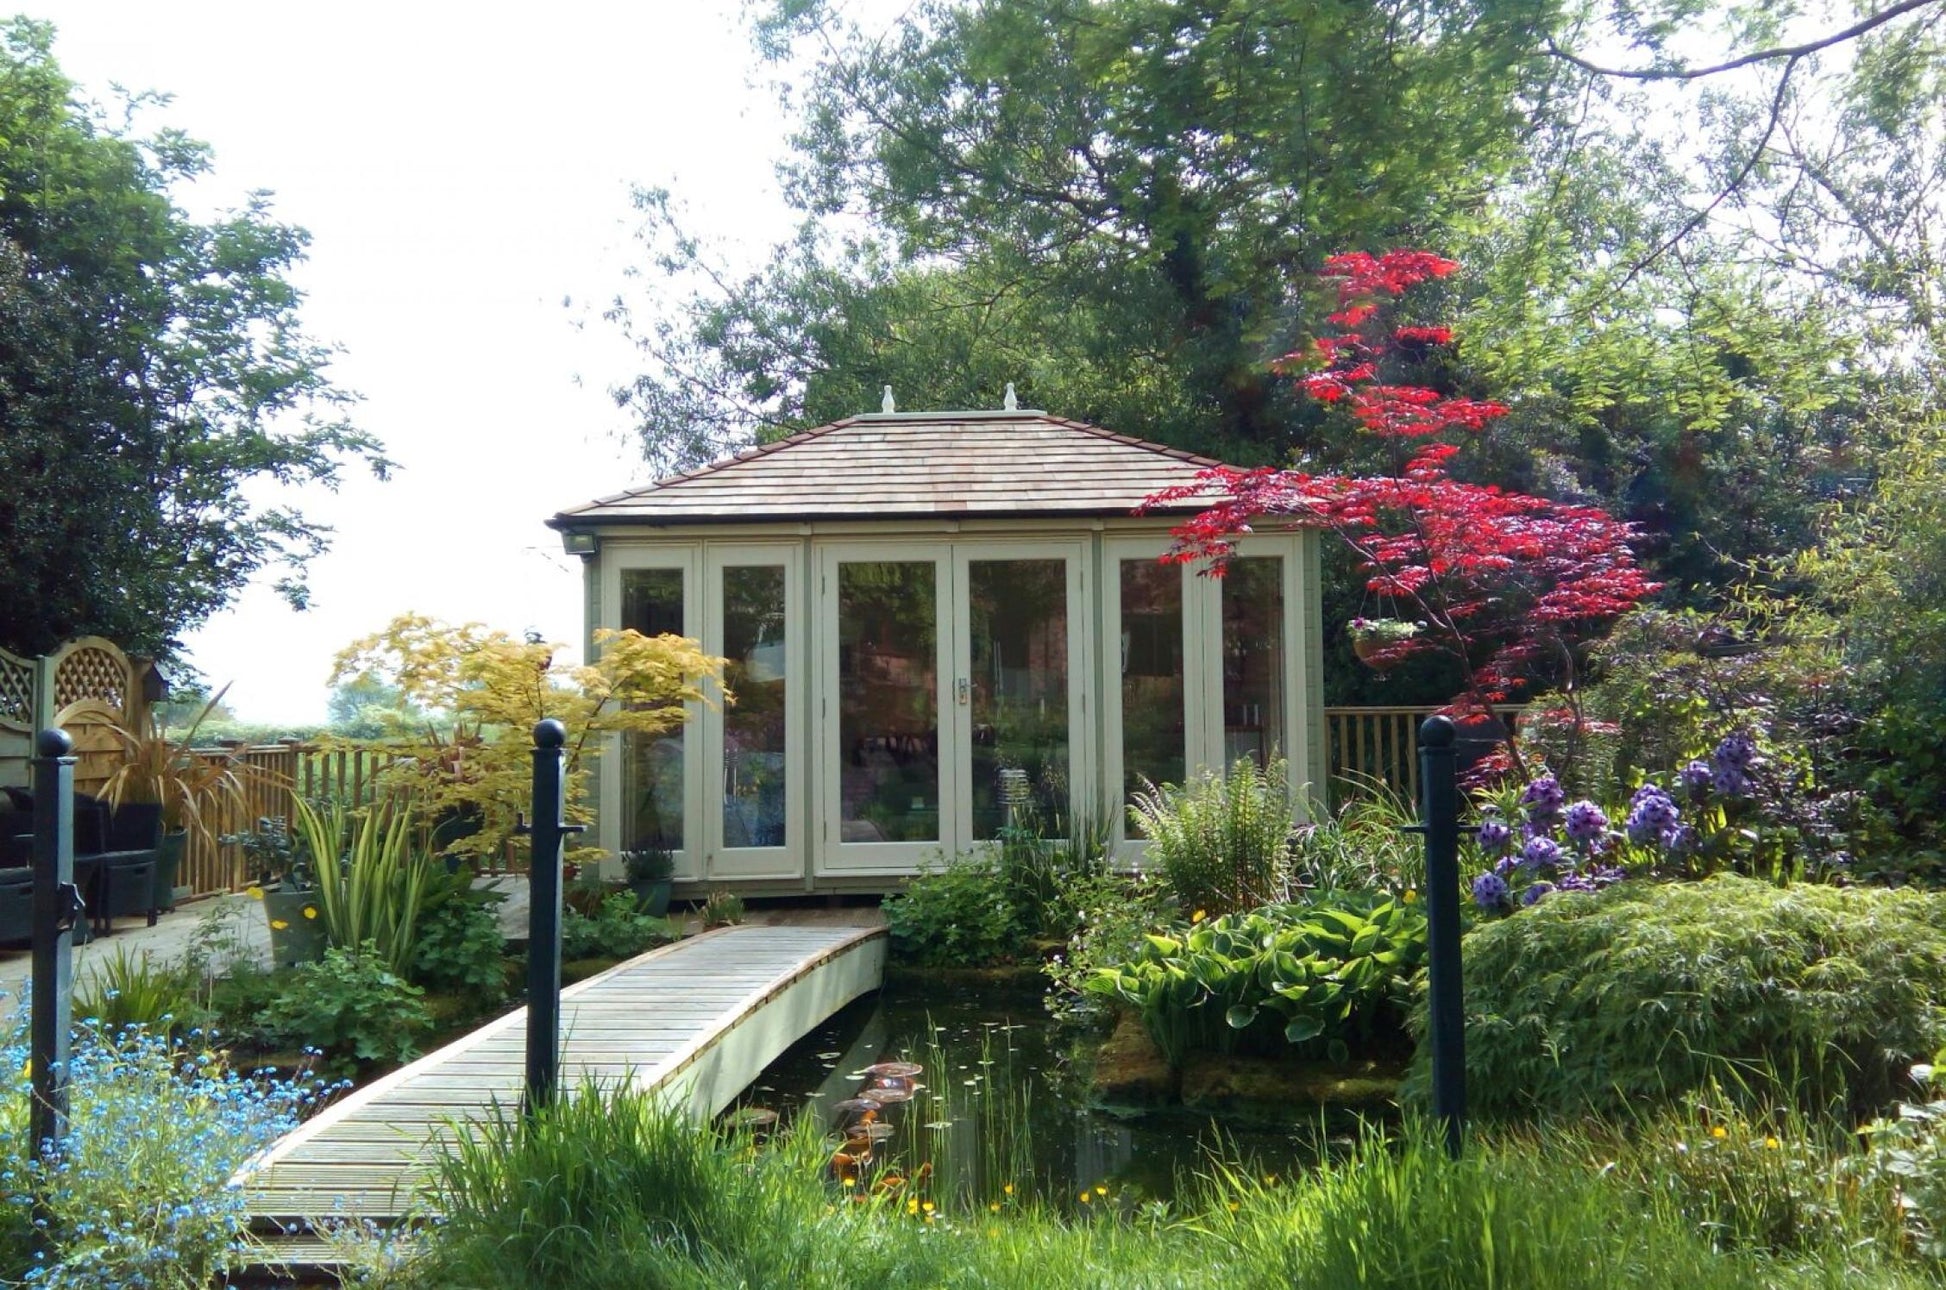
<point x="699" y="1019"/>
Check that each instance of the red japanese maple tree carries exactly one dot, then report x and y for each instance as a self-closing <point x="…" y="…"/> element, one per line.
<point x="1503" y="582"/>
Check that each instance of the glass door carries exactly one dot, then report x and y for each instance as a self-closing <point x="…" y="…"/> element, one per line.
<point x="653" y="781"/>
<point x="1019" y="704"/>
<point x="752" y="818"/>
<point x="885" y="630"/>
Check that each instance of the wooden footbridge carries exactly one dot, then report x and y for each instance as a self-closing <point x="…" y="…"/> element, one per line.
<point x="699" y="1019"/>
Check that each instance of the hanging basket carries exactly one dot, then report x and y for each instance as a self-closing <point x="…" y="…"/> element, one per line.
<point x="1368" y="649"/>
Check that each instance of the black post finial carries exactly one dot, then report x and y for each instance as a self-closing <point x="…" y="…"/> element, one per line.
<point x="53" y="742"/>
<point x="549" y="732"/>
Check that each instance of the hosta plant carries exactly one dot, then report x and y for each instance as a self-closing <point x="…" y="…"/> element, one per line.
<point x="1330" y="977"/>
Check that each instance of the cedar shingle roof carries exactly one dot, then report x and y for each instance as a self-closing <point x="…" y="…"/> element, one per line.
<point x="933" y="464"/>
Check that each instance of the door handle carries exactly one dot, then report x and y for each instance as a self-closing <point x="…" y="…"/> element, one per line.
<point x="964" y="689"/>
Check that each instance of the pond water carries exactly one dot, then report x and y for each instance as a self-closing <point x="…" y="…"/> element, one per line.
<point x="995" y="1114"/>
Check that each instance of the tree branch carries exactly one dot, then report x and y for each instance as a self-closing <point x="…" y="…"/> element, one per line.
<point x="1791" y="52"/>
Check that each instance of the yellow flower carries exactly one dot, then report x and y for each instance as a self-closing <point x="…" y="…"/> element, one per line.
<point x="1199" y="916"/>
<point x="1009" y="1189"/>
<point x="995" y="1207"/>
<point x="912" y="1207"/>
<point x="278" y="924"/>
<point x="1087" y="1198"/>
<point x="1270" y="1180"/>
<point x="927" y="1207"/>
<point x="1100" y="1190"/>
<point x="1719" y="1131"/>
<point x="1771" y="1143"/>
<point x="993" y="1231"/>
<point x="1411" y="896"/>
<point x="310" y="911"/>
<point x="1234" y="1207"/>
<point x="255" y="893"/>
<point x="849" y="1182"/>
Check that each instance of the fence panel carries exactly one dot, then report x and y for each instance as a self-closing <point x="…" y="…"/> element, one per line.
<point x="1368" y="748"/>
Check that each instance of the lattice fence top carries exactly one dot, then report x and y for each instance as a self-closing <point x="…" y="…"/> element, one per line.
<point x="16" y="692"/>
<point x="92" y="668"/>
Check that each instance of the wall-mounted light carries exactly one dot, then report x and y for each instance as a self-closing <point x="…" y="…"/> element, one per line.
<point x="580" y="542"/>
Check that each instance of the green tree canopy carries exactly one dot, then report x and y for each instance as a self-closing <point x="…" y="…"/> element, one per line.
<point x="152" y="368"/>
<point x="1108" y="203"/>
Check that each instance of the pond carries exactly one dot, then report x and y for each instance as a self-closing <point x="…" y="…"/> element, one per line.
<point x="995" y="1115"/>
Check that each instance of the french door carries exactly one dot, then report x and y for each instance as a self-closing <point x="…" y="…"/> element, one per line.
<point x="951" y="695"/>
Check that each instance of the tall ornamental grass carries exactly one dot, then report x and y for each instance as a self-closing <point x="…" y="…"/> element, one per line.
<point x="608" y="1190"/>
<point x="1643" y="993"/>
<point x="371" y="879"/>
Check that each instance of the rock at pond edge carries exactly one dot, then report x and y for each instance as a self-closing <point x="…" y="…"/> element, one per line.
<point x="1130" y="1072"/>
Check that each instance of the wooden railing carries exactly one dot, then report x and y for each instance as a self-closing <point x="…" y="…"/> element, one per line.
<point x="1366" y="748"/>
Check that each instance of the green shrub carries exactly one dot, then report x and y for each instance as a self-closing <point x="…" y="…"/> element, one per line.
<point x="1907" y="1157"/>
<point x="1112" y="915"/>
<point x="955" y="916"/>
<point x="1329" y="977"/>
<point x="351" y="1005"/>
<point x="458" y="944"/>
<point x="1648" y="991"/>
<point x="1222" y="842"/>
<point x="615" y="931"/>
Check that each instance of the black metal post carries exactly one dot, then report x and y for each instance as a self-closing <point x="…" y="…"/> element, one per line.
<point x="1439" y="821"/>
<point x="544" y="913"/>
<point x="57" y="906"/>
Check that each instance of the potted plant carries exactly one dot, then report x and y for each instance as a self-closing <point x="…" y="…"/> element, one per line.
<point x="282" y="876"/>
<point x="1373" y="638"/>
<point x="196" y="788"/>
<point x="651" y="874"/>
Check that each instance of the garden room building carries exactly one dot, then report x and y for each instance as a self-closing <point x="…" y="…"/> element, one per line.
<point x="928" y="617"/>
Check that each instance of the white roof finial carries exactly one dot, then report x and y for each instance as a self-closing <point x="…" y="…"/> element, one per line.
<point x="885" y="404"/>
<point x="1010" y="403"/>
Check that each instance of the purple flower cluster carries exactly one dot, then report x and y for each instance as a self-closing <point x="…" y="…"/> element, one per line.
<point x="1493" y="835"/>
<point x="1694" y="779"/>
<point x="1544" y="799"/>
<point x="1652" y="814"/>
<point x="1586" y="823"/>
<point x="1730" y="765"/>
<point x="1490" y="891"/>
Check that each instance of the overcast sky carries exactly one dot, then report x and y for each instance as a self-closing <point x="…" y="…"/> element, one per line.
<point x="462" y="170"/>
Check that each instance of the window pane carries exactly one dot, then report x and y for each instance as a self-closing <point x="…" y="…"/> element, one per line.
<point x="652" y="765"/>
<point x="753" y="727"/>
<point x="888" y="701"/>
<point x="1019" y="611"/>
<point x="1153" y="746"/>
<point x="1253" y="659"/>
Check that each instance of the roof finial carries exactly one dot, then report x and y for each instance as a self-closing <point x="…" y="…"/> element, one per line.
<point x="885" y="404"/>
<point x="1010" y="403"/>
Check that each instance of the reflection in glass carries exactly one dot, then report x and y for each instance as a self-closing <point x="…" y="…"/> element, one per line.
<point x="1019" y="625"/>
<point x="753" y="728"/>
<point x="888" y="701"/>
<point x="1253" y="659"/>
<point x="1153" y="746"/>
<point x="652" y="765"/>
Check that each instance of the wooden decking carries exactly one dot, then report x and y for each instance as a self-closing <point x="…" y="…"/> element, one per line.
<point x="699" y="1019"/>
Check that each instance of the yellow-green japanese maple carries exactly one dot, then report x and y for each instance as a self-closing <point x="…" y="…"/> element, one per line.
<point x="471" y="761"/>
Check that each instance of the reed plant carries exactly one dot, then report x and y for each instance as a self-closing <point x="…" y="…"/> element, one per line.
<point x="130" y="988"/>
<point x="371" y="878"/>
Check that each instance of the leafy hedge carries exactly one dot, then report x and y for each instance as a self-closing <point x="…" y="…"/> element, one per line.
<point x="1650" y="991"/>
